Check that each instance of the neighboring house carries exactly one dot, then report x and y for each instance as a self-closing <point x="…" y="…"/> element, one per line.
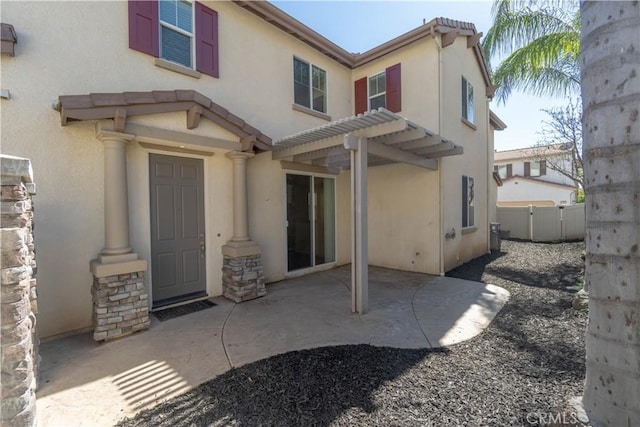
<point x="184" y="150"/>
<point x="538" y="176"/>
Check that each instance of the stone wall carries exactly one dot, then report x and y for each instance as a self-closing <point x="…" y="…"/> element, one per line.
<point x="120" y="305"/>
<point x="242" y="277"/>
<point x="18" y="301"/>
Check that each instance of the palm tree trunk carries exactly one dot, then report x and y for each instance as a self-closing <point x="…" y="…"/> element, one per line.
<point x="610" y="56"/>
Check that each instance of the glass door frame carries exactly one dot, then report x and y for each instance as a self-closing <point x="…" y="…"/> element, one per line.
<point x="314" y="266"/>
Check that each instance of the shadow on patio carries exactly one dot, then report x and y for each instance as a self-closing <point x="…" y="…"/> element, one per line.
<point x="407" y="310"/>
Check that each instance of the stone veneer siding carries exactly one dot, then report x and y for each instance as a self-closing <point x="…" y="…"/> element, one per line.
<point x="18" y="301"/>
<point x="120" y="305"/>
<point x="243" y="278"/>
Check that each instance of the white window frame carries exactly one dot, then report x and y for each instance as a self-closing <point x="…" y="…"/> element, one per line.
<point x="502" y="171"/>
<point x="468" y="103"/>
<point x="191" y="35"/>
<point x="325" y="90"/>
<point x="537" y="169"/>
<point x="383" y="93"/>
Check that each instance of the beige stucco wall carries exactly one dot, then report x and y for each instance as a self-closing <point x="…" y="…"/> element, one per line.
<point x="68" y="161"/>
<point x="423" y="70"/>
<point x="460" y="61"/>
<point x="402" y="215"/>
<point x="267" y="219"/>
<point x="403" y="200"/>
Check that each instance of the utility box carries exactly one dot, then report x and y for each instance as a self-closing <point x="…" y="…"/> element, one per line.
<point x="494" y="236"/>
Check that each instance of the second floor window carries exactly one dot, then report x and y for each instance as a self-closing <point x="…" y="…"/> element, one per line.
<point x="504" y="171"/>
<point x="309" y="86"/>
<point x="467" y="100"/>
<point x="378" y="91"/>
<point x="535" y="168"/>
<point x="176" y="32"/>
<point x="538" y="168"/>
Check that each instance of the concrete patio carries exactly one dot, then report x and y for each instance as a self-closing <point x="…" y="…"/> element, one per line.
<point x="86" y="383"/>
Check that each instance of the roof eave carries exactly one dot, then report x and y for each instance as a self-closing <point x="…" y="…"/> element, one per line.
<point x="496" y="122"/>
<point x="297" y="29"/>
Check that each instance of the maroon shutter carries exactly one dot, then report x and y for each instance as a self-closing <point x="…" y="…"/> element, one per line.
<point x="495" y="168"/>
<point x="509" y="170"/>
<point x="143" y="27"/>
<point x="394" y="89"/>
<point x="207" y="40"/>
<point x="543" y="167"/>
<point x="527" y="169"/>
<point x="360" y="87"/>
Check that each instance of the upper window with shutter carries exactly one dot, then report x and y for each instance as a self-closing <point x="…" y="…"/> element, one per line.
<point x="504" y="171"/>
<point x="538" y="168"/>
<point x="379" y="90"/>
<point x="179" y="31"/>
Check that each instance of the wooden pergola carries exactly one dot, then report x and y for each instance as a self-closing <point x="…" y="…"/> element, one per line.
<point x="375" y="138"/>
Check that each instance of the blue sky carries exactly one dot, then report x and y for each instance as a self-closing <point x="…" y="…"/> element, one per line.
<point x="360" y="25"/>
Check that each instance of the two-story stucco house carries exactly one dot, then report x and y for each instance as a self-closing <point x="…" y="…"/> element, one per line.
<point x="537" y="176"/>
<point x="184" y="150"/>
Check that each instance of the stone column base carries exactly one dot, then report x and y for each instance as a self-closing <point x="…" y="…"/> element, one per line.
<point x="120" y="299"/>
<point x="242" y="274"/>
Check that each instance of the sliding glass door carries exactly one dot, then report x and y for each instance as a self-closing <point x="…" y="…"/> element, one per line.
<point x="311" y="230"/>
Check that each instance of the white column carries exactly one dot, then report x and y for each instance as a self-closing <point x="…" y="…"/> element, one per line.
<point x="359" y="224"/>
<point x="240" y="209"/>
<point x="116" y="203"/>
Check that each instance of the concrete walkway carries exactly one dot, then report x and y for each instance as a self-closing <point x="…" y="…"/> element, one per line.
<point x="84" y="383"/>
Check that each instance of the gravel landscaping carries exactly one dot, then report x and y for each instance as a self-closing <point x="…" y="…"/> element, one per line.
<point x="521" y="370"/>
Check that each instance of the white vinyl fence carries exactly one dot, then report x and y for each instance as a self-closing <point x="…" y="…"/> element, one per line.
<point x="543" y="224"/>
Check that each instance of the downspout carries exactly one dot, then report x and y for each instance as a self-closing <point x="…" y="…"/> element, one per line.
<point x="489" y="175"/>
<point x="440" y="189"/>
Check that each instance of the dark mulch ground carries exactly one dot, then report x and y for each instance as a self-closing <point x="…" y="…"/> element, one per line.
<point x="529" y="361"/>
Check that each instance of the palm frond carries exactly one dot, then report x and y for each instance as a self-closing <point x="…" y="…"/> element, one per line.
<point x="519" y="71"/>
<point x="515" y="29"/>
<point x="538" y="42"/>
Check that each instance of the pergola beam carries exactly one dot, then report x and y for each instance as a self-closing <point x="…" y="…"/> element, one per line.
<point x="327" y="152"/>
<point x="436" y="148"/>
<point x="384" y="151"/>
<point x="445" y="153"/>
<point x="307" y="147"/>
<point x="373" y="131"/>
<point x="407" y="135"/>
<point x="371" y="163"/>
<point x="420" y="143"/>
